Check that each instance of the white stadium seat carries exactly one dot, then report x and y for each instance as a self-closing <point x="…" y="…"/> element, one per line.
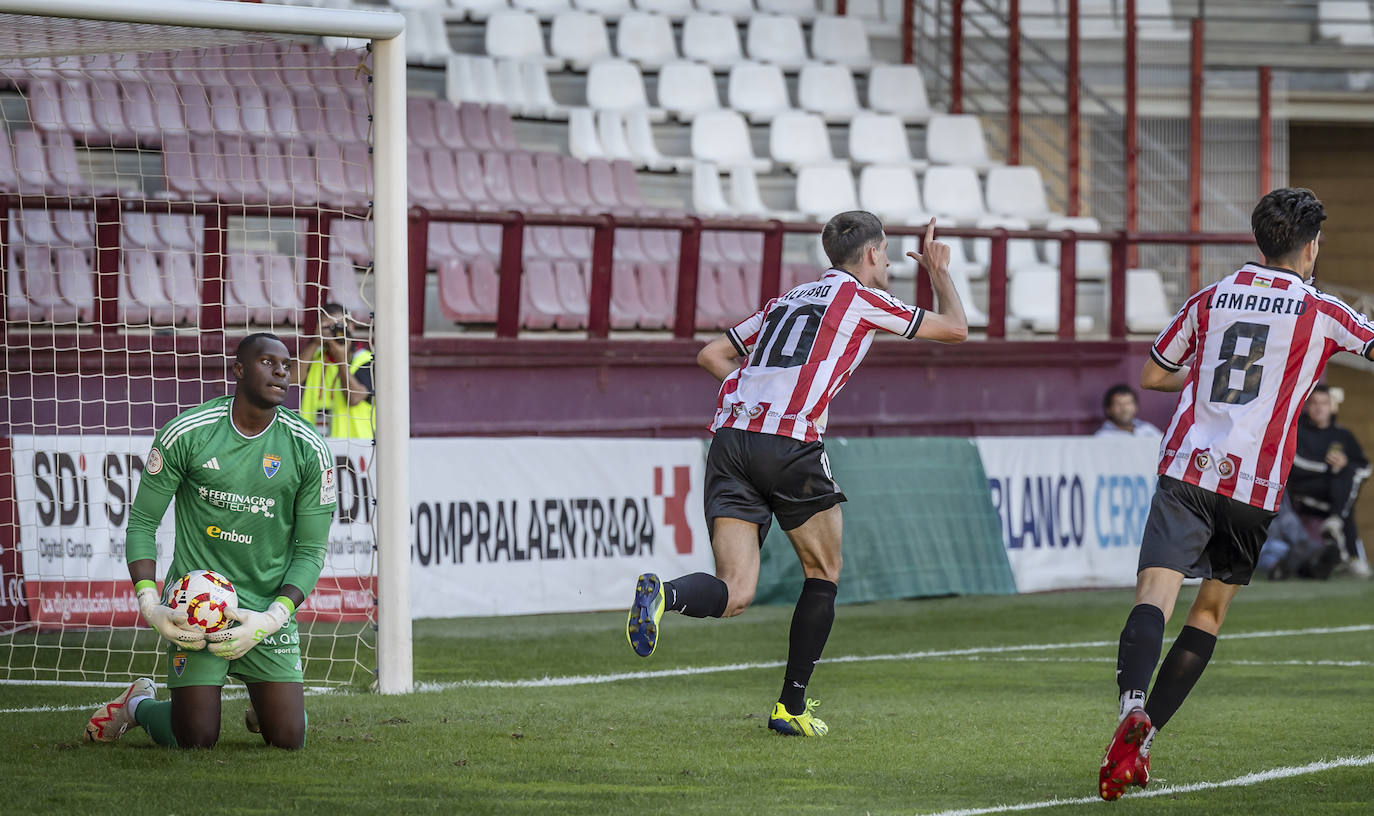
<point x="890" y="192"/>
<point x="686" y="89"/>
<point x="738" y="9"/>
<point x="744" y="194"/>
<point x="880" y="138"/>
<point x="606" y="8"/>
<point x="479" y="9"/>
<point x="722" y="137"/>
<point x="1021" y="252"/>
<point x="429" y="43"/>
<point x="1093" y="259"/>
<point x="1346" y="21"/>
<point x="801" y="9"/>
<point x="671" y="8"/>
<point x="899" y="90"/>
<point x="510" y="81"/>
<point x="712" y="39"/>
<point x="757" y="90"/>
<point x="610" y="132"/>
<point x="615" y="84"/>
<point x="957" y="139"/>
<point x="1018" y="191"/>
<point x="473" y="79"/>
<point x="580" y="38"/>
<point x="537" y="94"/>
<point x="645" y="149"/>
<point x="824" y="190"/>
<point x="1147" y="307"/>
<point x="841" y="39"/>
<point x="544" y="8"/>
<point x="827" y="90"/>
<point x="646" y="39"/>
<point x="708" y="198"/>
<point x="776" y="39"/>
<point x="796" y="138"/>
<point x="517" y="35"/>
<point x="1033" y="300"/>
<point x="583" y="140"/>
<point x="953" y="192"/>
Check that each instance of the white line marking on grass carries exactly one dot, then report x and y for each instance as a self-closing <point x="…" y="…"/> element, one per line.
<point x="1166" y="790"/>
<point x="615" y="677"/>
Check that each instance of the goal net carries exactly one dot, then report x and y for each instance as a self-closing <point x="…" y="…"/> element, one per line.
<point x="166" y="188"/>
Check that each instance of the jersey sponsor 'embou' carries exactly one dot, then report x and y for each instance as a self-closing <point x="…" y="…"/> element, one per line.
<point x="800" y="349"/>
<point x="1257" y="341"/>
<point x="238" y="497"/>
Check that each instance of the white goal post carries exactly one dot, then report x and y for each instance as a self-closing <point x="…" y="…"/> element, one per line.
<point x="390" y="332"/>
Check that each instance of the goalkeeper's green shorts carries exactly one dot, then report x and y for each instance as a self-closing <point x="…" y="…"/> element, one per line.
<point x="277" y="659"/>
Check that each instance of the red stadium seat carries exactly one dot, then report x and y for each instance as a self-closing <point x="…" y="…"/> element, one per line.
<point x="9" y="180"/>
<point x="571" y="281"/>
<point x="244" y="297"/>
<point x="110" y="124"/>
<point x="284" y="304"/>
<point x="140" y="289"/>
<point x="473" y="123"/>
<point x="30" y="165"/>
<point x="447" y="123"/>
<point x="343" y="288"/>
<point x="76" y="280"/>
<point x="46" y="304"/>
<point x="501" y="128"/>
<point x="139" y="114"/>
<point x="455" y="294"/>
<point x="179" y="279"/>
<point x="540" y="307"/>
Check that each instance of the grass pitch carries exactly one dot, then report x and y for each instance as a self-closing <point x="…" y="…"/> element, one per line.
<point x="933" y="705"/>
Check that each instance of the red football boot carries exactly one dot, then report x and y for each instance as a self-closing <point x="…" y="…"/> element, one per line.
<point x="1123" y="765"/>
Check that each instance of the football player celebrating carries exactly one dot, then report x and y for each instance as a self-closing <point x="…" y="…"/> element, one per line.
<point x="1243" y="354"/>
<point x="779" y="369"/>
<point x="254" y="490"/>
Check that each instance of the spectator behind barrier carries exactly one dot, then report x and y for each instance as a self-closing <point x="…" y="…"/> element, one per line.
<point x="335" y="377"/>
<point x="1120" y="406"/>
<point x="1329" y="467"/>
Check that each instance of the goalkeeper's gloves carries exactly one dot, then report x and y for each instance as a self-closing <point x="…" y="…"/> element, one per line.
<point x="170" y="624"/>
<point x="231" y="644"/>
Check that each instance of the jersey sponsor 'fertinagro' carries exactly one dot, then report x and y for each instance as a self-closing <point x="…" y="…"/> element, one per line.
<point x="1258" y="341"/>
<point x="237" y="496"/>
<point x="800" y="349"/>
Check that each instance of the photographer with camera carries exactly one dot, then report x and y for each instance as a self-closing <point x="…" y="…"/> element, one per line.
<point x="335" y="377"/>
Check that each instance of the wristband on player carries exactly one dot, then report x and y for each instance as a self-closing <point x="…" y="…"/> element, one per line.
<point x="288" y="603"/>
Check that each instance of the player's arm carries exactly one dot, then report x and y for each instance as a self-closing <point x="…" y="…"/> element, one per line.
<point x="720" y="357"/>
<point x="140" y="551"/>
<point x="947" y="324"/>
<point x="1155" y="377"/>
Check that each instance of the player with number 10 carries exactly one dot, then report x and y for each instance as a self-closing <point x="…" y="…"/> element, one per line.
<point x="1244" y="355"/>
<point x="779" y="368"/>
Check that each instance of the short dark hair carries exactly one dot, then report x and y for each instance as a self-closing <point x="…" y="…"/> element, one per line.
<point x="1286" y="220"/>
<point x="247" y="346"/>
<point x="848" y="234"/>
<point x="332" y="308"/>
<point x="1321" y="388"/>
<point x="1116" y="391"/>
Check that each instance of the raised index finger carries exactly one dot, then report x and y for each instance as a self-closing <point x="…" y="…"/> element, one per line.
<point x="930" y="233"/>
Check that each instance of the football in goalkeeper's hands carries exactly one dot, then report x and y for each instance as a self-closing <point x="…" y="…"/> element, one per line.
<point x="204" y="596"/>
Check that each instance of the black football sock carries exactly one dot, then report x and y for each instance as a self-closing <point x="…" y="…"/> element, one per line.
<point x="698" y="595"/>
<point x="1142" y="638"/>
<point x="1181" y="669"/>
<point x="811" y="622"/>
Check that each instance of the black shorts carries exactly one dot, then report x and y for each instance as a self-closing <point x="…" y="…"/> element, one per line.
<point x="755" y="476"/>
<point x="1203" y="534"/>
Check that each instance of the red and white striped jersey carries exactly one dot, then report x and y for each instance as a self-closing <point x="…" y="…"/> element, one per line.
<point x="800" y="350"/>
<point x="1257" y="342"/>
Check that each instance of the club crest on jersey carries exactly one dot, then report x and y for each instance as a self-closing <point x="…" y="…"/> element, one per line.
<point x="154" y="465"/>
<point x="179" y="663"/>
<point x="1202" y="461"/>
<point x="270" y="465"/>
<point x="1225" y="468"/>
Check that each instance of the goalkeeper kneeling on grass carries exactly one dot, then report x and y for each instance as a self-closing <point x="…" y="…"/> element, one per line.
<point x="255" y="495"/>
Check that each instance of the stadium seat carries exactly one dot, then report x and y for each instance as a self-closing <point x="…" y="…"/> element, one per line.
<point x="45" y="303"/>
<point x="646" y="39"/>
<point x="957" y="139"/>
<point x="741" y="10"/>
<point x="472" y="79"/>
<point x="45" y="105"/>
<point x="580" y="38"/>
<point x="841" y="39"/>
<point x="517" y="35"/>
<point x="417" y="179"/>
<point x="722" y="137"/>
<point x="456" y="301"/>
<point x="640" y="134"/>
<point x="744" y="195"/>
<point x="668" y="8"/>
<point x="827" y="90"/>
<point x="1018" y="191"/>
<point x="1345" y="20"/>
<point x="796" y="138"/>
<point x="583" y="140"/>
<point x="615" y="84"/>
<point x="757" y="90"/>
<point x="776" y="39"/>
<point x="823" y="190"/>
<point x="473" y="123"/>
<point x="880" y="138"/>
<point x="538" y="98"/>
<point x="183" y="233"/>
<point x="180" y="282"/>
<point x="627" y="309"/>
<point x="1022" y="253"/>
<point x="606" y="8"/>
<point x="627" y="185"/>
<point x="510" y="84"/>
<point x="801" y="9"/>
<point x="1093" y="259"/>
<point x="420" y="125"/>
<point x="270" y="166"/>
<point x="540" y="306"/>
<point x="712" y="39"/>
<point x="953" y="192"/>
<point x="73" y="228"/>
<point x="140" y="115"/>
<point x="142" y="299"/>
<point x="1033" y="300"/>
<point x="478" y="9"/>
<point x="110" y="125"/>
<point x="138" y="230"/>
<point x="610" y="133"/>
<point x="1147" y="307"/>
<point x="30" y="165"/>
<point x="427" y="37"/>
<point x="1155" y="21"/>
<point x="353" y="238"/>
<point x="708" y="197"/>
<point x="601" y="185"/>
<point x="547" y="9"/>
<point x="341" y="120"/>
<point x="686" y="89"/>
<point x="890" y="192"/>
<point x="899" y="90"/>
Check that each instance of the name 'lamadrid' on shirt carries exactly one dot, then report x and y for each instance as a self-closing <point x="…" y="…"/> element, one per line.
<point x="1276" y="304"/>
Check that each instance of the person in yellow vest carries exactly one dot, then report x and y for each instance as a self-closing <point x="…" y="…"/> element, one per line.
<point x="335" y="377"/>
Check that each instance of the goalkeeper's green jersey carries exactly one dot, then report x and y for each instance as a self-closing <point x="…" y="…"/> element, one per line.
<point x="243" y="504"/>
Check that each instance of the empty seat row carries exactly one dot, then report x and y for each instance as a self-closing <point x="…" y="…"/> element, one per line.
<point x="31" y="164"/>
<point x="578" y="39"/>
<point x="740" y="9"/>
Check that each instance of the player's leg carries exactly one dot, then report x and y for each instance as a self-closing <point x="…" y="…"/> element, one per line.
<point x="280" y="710"/>
<point x="1190" y="653"/>
<point x="817" y="543"/>
<point x="192" y="717"/>
<point x="112" y="719"/>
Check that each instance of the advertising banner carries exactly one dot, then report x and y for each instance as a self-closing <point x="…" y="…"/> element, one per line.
<point x="522" y="526"/>
<point x="1071" y="508"/>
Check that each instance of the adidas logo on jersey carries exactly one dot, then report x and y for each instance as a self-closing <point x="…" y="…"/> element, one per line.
<point x="212" y="463"/>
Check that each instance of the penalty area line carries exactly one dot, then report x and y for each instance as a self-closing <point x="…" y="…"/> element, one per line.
<point x="1167" y="790"/>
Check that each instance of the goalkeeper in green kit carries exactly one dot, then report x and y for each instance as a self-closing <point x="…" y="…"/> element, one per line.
<point x="254" y="490"/>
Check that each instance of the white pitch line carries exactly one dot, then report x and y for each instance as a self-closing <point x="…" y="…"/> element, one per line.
<point x="615" y="677"/>
<point x="1167" y="790"/>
